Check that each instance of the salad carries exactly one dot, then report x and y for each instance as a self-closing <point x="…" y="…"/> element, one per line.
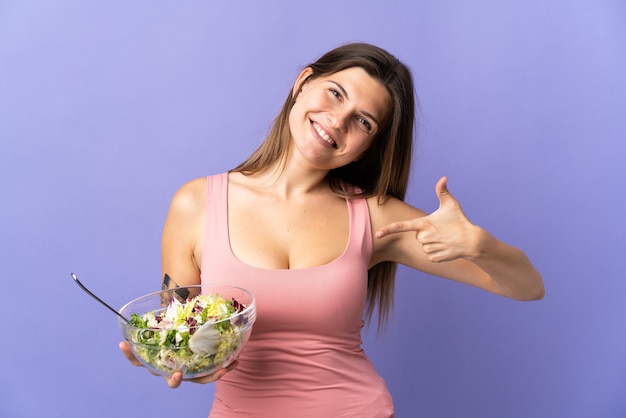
<point x="194" y="336"/>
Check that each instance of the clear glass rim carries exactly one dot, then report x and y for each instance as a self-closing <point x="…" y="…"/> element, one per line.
<point x="250" y="307"/>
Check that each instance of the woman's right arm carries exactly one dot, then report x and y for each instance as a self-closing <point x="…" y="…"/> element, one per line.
<point x="181" y="245"/>
<point x="181" y="251"/>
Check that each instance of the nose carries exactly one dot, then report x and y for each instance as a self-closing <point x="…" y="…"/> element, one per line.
<point x="339" y="120"/>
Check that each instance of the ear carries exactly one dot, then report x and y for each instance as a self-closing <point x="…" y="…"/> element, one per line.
<point x="298" y="86"/>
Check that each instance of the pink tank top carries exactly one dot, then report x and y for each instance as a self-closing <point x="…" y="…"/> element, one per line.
<point x="304" y="358"/>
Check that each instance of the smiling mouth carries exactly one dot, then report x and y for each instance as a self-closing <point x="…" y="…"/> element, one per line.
<point x="322" y="133"/>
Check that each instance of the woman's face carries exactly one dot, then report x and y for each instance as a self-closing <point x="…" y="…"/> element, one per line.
<point x="335" y="118"/>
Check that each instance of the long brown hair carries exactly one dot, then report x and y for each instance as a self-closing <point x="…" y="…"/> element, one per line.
<point x="382" y="171"/>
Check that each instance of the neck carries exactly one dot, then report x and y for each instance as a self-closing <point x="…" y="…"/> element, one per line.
<point x="288" y="178"/>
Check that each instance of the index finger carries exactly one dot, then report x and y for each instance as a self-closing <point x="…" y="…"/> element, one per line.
<point x="400" y="226"/>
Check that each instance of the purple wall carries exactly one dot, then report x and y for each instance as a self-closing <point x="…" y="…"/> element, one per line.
<point x="107" y="107"/>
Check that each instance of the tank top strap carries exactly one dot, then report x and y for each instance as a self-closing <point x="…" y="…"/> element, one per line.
<point x="360" y="228"/>
<point x="216" y="218"/>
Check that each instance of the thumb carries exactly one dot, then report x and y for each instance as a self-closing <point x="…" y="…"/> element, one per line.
<point x="443" y="194"/>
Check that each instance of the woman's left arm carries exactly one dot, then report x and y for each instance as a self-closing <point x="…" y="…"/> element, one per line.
<point x="445" y="243"/>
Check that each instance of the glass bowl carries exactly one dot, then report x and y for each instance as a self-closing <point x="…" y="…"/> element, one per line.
<point x="196" y="330"/>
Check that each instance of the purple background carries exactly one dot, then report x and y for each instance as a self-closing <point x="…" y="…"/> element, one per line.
<point x="107" y="107"/>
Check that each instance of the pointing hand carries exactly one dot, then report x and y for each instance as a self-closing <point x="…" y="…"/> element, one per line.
<point x="444" y="235"/>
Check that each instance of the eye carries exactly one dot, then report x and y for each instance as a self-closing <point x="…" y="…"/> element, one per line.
<point x="364" y="122"/>
<point x="335" y="93"/>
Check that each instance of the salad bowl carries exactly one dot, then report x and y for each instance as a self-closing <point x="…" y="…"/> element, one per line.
<point x="196" y="330"/>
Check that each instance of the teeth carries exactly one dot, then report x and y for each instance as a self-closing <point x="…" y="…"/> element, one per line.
<point x="323" y="134"/>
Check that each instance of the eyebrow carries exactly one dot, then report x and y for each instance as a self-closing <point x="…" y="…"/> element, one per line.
<point x="345" y="93"/>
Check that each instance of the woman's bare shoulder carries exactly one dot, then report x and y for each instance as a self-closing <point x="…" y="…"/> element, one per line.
<point x="190" y="198"/>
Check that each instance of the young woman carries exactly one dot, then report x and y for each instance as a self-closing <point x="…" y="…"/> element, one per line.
<point x="314" y="224"/>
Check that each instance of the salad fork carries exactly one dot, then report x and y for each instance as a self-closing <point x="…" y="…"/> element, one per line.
<point x="82" y="286"/>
